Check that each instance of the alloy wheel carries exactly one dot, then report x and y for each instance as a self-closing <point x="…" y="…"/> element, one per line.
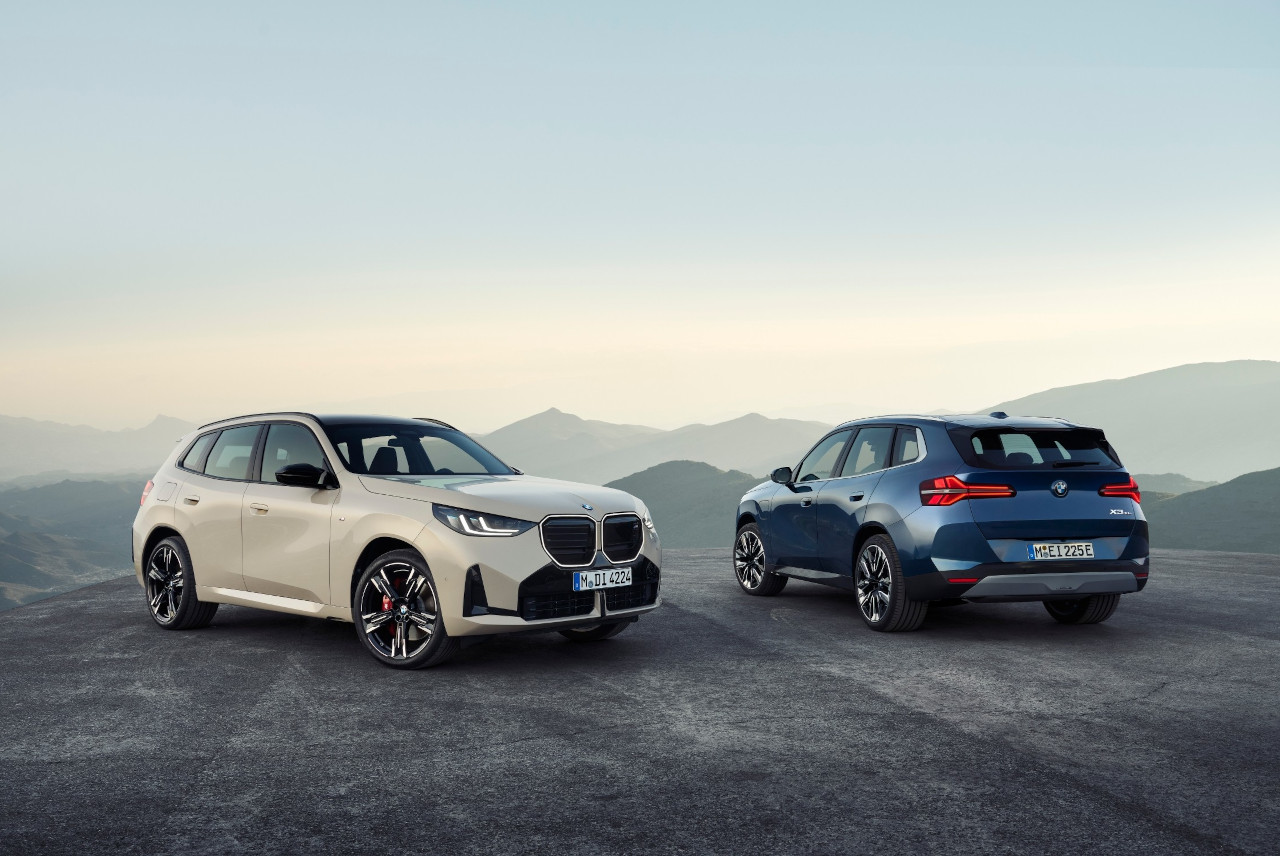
<point x="398" y="607"/>
<point x="748" y="560"/>
<point x="164" y="583"/>
<point x="874" y="582"/>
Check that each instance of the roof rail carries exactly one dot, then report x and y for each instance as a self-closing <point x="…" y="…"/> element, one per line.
<point x="440" y="422"/>
<point x="271" y="413"/>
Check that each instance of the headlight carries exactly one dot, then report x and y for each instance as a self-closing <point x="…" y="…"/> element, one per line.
<point x="648" y="522"/>
<point x="479" y="523"/>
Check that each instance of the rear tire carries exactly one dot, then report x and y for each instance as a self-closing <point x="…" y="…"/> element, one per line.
<point x="750" y="567"/>
<point x="170" y="586"/>
<point x="595" y="632"/>
<point x="1094" y="609"/>
<point x="882" y="591"/>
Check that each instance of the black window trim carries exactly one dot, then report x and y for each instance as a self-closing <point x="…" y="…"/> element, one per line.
<point x="252" y="455"/>
<point x="260" y="449"/>
<point x="891" y="465"/>
<point x="851" y="430"/>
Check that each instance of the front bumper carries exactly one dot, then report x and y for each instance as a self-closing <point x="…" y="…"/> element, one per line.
<point x="1029" y="581"/>
<point x="510" y="585"/>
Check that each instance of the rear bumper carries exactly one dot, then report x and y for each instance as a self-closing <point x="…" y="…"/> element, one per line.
<point x="1021" y="581"/>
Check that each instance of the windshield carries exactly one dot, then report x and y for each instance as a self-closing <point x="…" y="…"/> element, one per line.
<point x="396" y="449"/>
<point x="1034" y="448"/>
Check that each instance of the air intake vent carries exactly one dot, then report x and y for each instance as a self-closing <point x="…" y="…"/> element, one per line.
<point x="571" y="541"/>
<point x="623" y="536"/>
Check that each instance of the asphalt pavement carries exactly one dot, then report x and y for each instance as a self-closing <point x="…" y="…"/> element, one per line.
<point x="721" y="723"/>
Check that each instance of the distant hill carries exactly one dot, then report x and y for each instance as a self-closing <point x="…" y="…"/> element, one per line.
<point x="1169" y="483"/>
<point x="551" y="441"/>
<point x="1212" y="421"/>
<point x="1242" y="515"/>
<point x="29" y="447"/>
<point x="692" y="503"/>
<point x="58" y="537"/>
<point x="34" y="565"/>
<point x="595" y="453"/>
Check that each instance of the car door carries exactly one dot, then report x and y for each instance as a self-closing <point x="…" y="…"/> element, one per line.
<point x="287" y="527"/>
<point x="209" y="508"/>
<point x="840" y="508"/>
<point x="793" y="532"/>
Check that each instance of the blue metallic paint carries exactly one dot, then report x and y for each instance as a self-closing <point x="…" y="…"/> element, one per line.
<point x="970" y="539"/>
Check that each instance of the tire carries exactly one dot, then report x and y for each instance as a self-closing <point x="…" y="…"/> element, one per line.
<point x="170" y="586"/>
<point x="1094" y="609"/>
<point x="881" y="590"/>
<point x="750" y="567"/>
<point x="595" y="632"/>
<point x="397" y="615"/>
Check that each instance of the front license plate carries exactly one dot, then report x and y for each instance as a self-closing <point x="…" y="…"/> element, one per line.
<point x="590" y="580"/>
<point x="1079" y="550"/>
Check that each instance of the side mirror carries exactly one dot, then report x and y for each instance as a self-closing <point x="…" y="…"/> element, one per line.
<point x="782" y="475"/>
<point x="305" y="475"/>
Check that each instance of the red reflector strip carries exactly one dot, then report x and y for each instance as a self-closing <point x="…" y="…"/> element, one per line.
<point x="963" y="580"/>
<point x="1143" y="576"/>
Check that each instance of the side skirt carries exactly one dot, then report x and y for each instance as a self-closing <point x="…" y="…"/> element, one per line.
<point x="275" y="603"/>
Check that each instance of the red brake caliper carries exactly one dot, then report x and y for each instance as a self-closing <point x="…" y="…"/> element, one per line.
<point x="386" y="607"/>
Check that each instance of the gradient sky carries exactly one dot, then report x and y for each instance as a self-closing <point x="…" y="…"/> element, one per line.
<point x="660" y="213"/>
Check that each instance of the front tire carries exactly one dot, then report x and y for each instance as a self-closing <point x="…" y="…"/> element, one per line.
<point x="595" y="632"/>
<point x="749" y="564"/>
<point x="396" y="611"/>
<point x="882" y="591"/>
<point x="170" y="586"/>
<point x="1094" y="609"/>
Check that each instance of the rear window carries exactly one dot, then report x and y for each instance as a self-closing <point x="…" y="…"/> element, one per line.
<point x="1034" y="448"/>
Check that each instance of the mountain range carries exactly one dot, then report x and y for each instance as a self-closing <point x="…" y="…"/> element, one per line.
<point x="60" y="536"/>
<point x="562" y="445"/>
<point x="1241" y="515"/>
<point x="1208" y="421"/>
<point x="36" y="451"/>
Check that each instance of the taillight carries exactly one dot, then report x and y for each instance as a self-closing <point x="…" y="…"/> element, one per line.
<point x="146" y="491"/>
<point x="1129" y="489"/>
<point x="949" y="490"/>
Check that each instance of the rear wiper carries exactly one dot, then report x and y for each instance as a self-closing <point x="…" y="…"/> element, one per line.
<point x="1075" y="463"/>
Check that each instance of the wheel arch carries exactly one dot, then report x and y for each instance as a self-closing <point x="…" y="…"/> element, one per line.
<point x="865" y="533"/>
<point x="375" y="548"/>
<point x="157" y="535"/>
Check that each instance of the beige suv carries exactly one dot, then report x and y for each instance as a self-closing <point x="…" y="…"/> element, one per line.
<point x="407" y="527"/>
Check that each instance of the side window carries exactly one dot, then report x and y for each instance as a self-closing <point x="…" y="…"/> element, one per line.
<point x="870" y="451"/>
<point x="229" y="458"/>
<point x="820" y="463"/>
<point x="289" y="444"/>
<point x="194" y="458"/>
<point x="906" y="446"/>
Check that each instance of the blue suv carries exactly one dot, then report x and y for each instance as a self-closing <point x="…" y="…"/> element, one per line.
<point x="911" y="510"/>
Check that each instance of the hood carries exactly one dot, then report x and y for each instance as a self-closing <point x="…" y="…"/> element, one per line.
<point x="524" y="497"/>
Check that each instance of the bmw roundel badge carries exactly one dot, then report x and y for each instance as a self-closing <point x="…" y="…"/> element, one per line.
<point x="1059" y="488"/>
<point x="587" y="507"/>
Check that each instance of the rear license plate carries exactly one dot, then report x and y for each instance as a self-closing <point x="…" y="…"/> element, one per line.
<point x="590" y="580"/>
<point x="1079" y="550"/>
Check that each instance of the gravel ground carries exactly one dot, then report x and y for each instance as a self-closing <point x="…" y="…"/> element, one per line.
<point x="719" y="724"/>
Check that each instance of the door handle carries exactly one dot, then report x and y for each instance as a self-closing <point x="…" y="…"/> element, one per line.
<point x="805" y="503"/>
<point x="258" y="508"/>
<point x="191" y="500"/>
<point x="857" y="497"/>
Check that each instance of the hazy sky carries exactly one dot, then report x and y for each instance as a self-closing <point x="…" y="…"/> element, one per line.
<point x="658" y="213"/>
